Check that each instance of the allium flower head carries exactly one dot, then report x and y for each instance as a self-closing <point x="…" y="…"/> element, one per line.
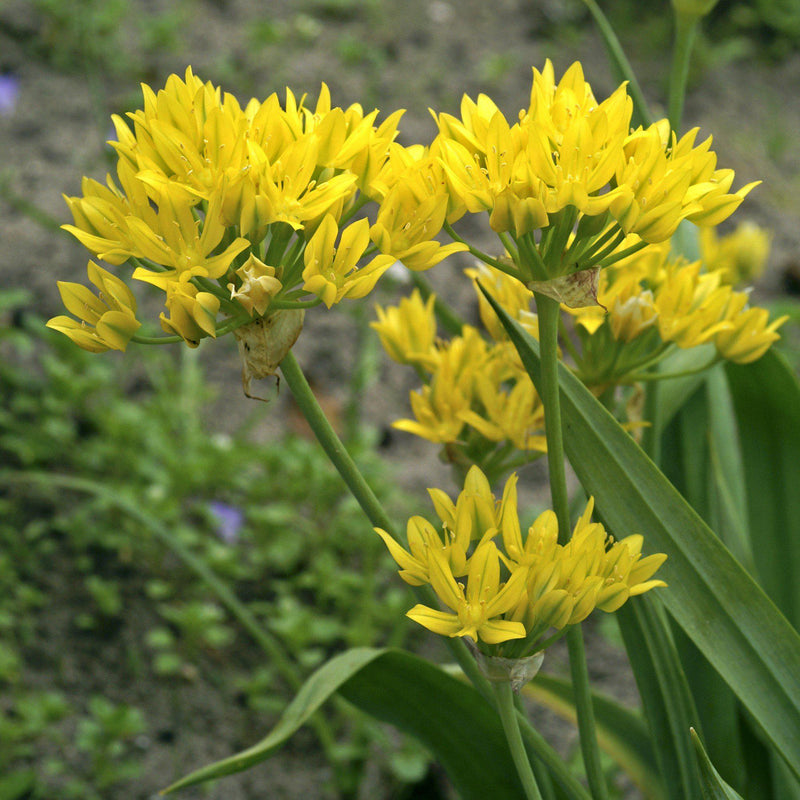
<point x="235" y="212"/>
<point x="515" y="588"/>
<point x="652" y="300"/>
<point x="569" y="180"/>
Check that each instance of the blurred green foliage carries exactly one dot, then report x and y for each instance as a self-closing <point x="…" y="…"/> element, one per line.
<point x="273" y="520"/>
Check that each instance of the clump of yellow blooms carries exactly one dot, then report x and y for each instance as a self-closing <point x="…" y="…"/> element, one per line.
<point x="231" y="211"/>
<point x="501" y="587"/>
<point x="652" y="299"/>
<point x="477" y="400"/>
<point x="741" y="255"/>
<point x="239" y="213"/>
<point x="571" y="163"/>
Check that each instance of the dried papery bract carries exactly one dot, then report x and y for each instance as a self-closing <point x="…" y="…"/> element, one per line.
<point x="516" y="671"/>
<point x="263" y="344"/>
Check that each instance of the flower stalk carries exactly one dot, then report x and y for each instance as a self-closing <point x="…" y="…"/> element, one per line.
<point x="362" y="492"/>
<point x="685" y="33"/>
<point x="508" y="716"/>
<point x="549" y="314"/>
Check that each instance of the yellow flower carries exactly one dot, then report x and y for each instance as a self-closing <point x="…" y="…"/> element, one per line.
<point x="175" y="239"/>
<point x="192" y="313"/>
<point x="331" y="272"/>
<point x="479" y="607"/>
<point x="438" y="405"/>
<point x="423" y="540"/>
<point x="690" y="305"/>
<point x="510" y="293"/>
<point x="508" y="407"/>
<point x="108" y="322"/>
<point x="258" y="286"/>
<point x="406" y="228"/>
<point x="475" y="510"/>
<point x="662" y="183"/>
<point x="101" y="215"/>
<point x="407" y="331"/>
<point x="749" y="334"/>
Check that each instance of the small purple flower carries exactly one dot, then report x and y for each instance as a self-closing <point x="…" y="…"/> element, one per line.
<point x="229" y="521"/>
<point x="9" y="93"/>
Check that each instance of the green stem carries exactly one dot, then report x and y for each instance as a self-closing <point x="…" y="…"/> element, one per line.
<point x="685" y="32"/>
<point x="508" y="243"/>
<point x="628" y="251"/>
<point x="551" y="759"/>
<point x="487" y="259"/>
<point x="331" y="444"/>
<point x="597" y="255"/>
<point x="294" y="304"/>
<point x="531" y="262"/>
<point x="155" y="339"/>
<point x="664" y="376"/>
<point x="620" y="63"/>
<point x="549" y="314"/>
<point x="360" y="489"/>
<point x="590" y="750"/>
<point x="508" y="716"/>
<point x="362" y="200"/>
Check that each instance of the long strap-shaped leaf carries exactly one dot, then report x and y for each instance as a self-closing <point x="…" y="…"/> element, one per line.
<point x="665" y="695"/>
<point x="714" y="788"/>
<point x="710" y="595"/>
<point x="766" y="395"/>
<point x="449" y="717"/>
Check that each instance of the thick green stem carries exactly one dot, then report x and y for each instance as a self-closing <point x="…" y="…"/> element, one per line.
<point x="620" y="63"/>
<point x="360" y="489"/>
<point x="685" y="32"/>
<point x="508" y="716"/>
<point x="331" y="444"/>
<point x="549" y="313"/>
<point x="479" y="254"/>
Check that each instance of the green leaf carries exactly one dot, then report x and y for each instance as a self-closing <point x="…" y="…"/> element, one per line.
<point x="17" y="785"/>
<point x="665" y="694"/>
<point x="721" y="608"/>
<point x="766" y="396"/>
<point x="703" y="459"/>
<point x="621" y="731"/>
<point x="714" y="788"/>
<point x="450" y="718"/>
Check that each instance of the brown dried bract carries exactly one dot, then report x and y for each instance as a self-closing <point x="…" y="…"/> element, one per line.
<point x="263" y="344"/>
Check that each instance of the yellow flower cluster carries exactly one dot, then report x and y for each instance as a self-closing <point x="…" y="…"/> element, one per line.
<point x="238" y="212"/>
<point x="741" y="255"/>
<point x="500" y="586"/>
<point x="476" y="394"/>
<point x="225" y="207"/>
<point x="652" y="299"/>
<point x="570" y="158"/>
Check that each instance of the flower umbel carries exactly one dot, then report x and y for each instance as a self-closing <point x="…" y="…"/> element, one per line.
<point x="514" y="589"/>
<point x="233" y="212"/>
